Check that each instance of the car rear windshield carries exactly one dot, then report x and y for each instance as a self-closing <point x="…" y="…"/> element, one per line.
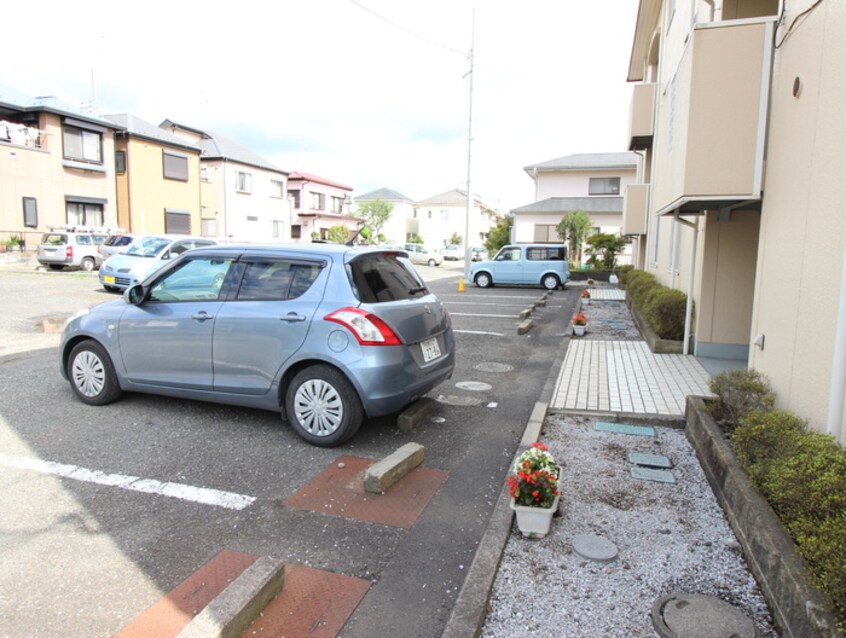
<point x="54" y="239"/>
<point x="381" y="277"/>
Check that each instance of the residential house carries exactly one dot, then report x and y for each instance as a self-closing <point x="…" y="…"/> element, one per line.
<point x="591" y="182"/>
<point x="402" y="224"/>
<point x="158" y="179"/>
<point x="318" y="205"/>
<point x="56" y="166"/>
<point x="243" y="196"/>
<point x="442" y="216"/>
<point x="738" y="110"/>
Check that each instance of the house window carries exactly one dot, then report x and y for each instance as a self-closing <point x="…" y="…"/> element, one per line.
<point x="120" y="161"/>
<point x="30" y="210"/>
<point x="546" y="233"/>
<point x="604" y="186"/>
<point x="296" y="231"/>
<point x="277" y="188"/>
<point x="82" y="145"/>
<point x="318" y="201"/>
<point x="175" y="166"/>
<point x="177" y="221"/>
<point x="444" y="215"/>
<point x="84" y="213"/>
<point x="295" y="195"/>
<point x="337" y="204"/>
<point x="243" y="182"/>
<point x="252" y="218"/>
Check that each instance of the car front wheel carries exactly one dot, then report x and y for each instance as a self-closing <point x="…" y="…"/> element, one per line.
<point x="87" y="264"/>
<point x="92" y="375"/>
<point x="483" y="280"/>
<point x="323" y="406"/>
<point x="550" y="282"/>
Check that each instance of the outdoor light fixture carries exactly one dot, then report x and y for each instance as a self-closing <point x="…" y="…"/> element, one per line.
<point x="759" y="341"/>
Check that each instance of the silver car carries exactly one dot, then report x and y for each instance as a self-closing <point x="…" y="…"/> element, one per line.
<point x="419" y="254"/>
<point x="71" y="247"/>
<point x="327" y="335"/>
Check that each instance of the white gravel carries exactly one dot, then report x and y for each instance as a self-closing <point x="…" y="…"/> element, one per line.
<point x="670" y="537"/>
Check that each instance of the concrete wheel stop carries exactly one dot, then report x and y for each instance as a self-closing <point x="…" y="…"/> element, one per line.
<point x="683" y="615"/>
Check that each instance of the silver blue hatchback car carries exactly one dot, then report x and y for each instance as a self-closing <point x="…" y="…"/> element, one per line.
<point x="328" y="335"/>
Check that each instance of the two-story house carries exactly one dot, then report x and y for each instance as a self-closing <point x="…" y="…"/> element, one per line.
<point x="318" y="205"/>
<point x="442" y="216"/>
<point x="738" y="110"/>
<point x="56" y="166"/>
<point x="158" y="178"/>
<point x="591" y="182"/>
<point x="243" y="196"/>
<point x="402" y="224"/>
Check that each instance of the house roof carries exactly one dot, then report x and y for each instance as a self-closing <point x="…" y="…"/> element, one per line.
<point x="563" y="205"/>
<point x="15" y="100"/>
<point x="455" y="197"/>
<point x="216" y="146"/>
<point x="139" y="128"/>
<point x="385" y="194"/>
<point x="586" y="161"/>
<point x="308" y="177"/>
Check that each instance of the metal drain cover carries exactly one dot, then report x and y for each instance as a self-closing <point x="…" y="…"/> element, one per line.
<point x="683" y="615"/>
<point x="493" y="366"/>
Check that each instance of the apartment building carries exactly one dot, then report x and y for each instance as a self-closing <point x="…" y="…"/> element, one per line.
<point x="737" y="109"/>
<point x="318" y="205"/>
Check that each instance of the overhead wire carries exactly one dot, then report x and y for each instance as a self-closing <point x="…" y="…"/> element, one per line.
<point x="801" y="15"/>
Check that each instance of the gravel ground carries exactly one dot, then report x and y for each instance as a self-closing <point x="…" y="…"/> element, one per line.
<point x="670" y="537"/>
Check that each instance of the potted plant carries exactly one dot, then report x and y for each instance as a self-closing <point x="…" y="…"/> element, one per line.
<point x="533" y="485"/>
<point x="585" y="297"/>
<point x="591" y="282"/>
<point x="579" y="324"/>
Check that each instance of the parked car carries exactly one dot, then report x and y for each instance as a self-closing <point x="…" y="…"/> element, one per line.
<point x="144" y="256"/>
<point x="114" y="244"/>
<point x="419" y="254"/>
<point x="479" y="253"/>
<point x="326" y="334"/>
<point x="71" y="247"/>
<point x="528" y="264"/>
<point x="452" y="253"/>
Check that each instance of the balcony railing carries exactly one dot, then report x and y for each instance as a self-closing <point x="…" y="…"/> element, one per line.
<point x="641" y="116"/>
<point x="634" y="209"/>
<point x="22" y="135"/>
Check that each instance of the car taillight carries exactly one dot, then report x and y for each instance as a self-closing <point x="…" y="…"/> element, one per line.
<point x="368" y="329"/>
<point x="69" y="252"/>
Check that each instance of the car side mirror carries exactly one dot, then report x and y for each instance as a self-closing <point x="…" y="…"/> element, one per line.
<point x="134" y="295"/>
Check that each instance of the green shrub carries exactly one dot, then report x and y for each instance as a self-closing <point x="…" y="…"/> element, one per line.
<point x="640" y="284"/>
<point x="823" y="545"/>
<point x="763" y="437"/>
<point x="623" y="273"/>
<point x="739" y="392"/>
<point x="664" y="309"/>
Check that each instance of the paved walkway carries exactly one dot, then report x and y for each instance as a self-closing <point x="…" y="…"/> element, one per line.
<point x="626" y="377"/>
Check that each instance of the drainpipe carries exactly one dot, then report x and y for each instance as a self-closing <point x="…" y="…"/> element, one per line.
<point x="688" y="311"/>
<point x="838" y="371"/>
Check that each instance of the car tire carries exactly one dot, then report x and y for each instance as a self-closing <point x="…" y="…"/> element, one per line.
<point x="431" y="262"/>
<point x="550" y="282"/>
<point x="87" y="264"/>
<point x="322" y="406"/>
<point x="111" y="288"/>
<point x="483" y="280"/>
<point x="92" y="375"/>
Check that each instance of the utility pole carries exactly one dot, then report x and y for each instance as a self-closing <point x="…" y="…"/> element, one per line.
<point x="467" y="248"/>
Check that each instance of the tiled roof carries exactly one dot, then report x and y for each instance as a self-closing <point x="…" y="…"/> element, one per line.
<point x="561" y="205"/>
<point x="587" y="161"/>
<point x="385" y="194"/>
<point x="138" y="127"/>
<point x="14" y="99"/>
<point x="455" y="197"/>
<point x="308" y="177"/>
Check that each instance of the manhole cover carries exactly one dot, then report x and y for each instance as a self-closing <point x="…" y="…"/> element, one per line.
<point x="473" y="386"/>
<point x="456" y="400"/>
<point x="493" y="366"/>
<point x="683" y="615"/>
<point x="594" y="548"/>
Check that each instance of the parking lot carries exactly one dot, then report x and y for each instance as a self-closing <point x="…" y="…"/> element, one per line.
<point x="108" y="509"/>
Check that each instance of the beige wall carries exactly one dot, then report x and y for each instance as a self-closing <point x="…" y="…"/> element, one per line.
<point x="803" y="233"/>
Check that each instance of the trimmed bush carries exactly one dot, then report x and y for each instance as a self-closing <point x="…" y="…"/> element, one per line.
<point x="664" y="309"/>
<point x="640" y="284"/>
<point x="623" y="273"/>
<point x="765" y="437"/>
<point x="739" y="392"/>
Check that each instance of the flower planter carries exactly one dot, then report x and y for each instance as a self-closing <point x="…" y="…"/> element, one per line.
<point x="579" y="331"/>
<point x="534" y="522"/>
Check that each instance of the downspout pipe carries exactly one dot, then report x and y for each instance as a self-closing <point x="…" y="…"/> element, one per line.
<point x="688" y="311"/>
<point x="837" y="393"/>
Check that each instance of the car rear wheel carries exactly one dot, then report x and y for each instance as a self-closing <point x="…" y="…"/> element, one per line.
<point x="92" y="375"/>
<point x="432" y="262"/>
<point x="483" y="280"/>
<point x="550" y="282"/>
<point x="323" y="406"/>
<point x="87" y="264"/>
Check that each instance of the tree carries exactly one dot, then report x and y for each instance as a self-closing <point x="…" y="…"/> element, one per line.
<point x="375" y="212"/>
<point x="499" y="235"/>
<point x="574" y="228"/>
<point x="338" y="234"/>
<point x="604" y="248"/>
<point x="455" y="239"/>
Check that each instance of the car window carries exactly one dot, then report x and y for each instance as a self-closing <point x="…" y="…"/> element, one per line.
<point x="192" y="280"/>
<point x="147" y="247"/>
<point x="509" y="254"/>
<point x="383" y="277"/>
<point x="83" y="240"/>
<point x="98" y="239"/>
<point x="54" y="239"/>
<point x="276" y="280"/>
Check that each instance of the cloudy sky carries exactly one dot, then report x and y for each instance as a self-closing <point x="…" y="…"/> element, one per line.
<point x="370" y="93"/>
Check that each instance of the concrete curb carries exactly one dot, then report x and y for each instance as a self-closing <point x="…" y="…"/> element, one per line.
<point x="799" y="609"/>
<point x="380" y="476"/>
<point x="240" y="603"/>
<point x="414" y="414"/>
<point x="524" y="327"/>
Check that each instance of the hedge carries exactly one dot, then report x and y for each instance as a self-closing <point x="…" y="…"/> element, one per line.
<point x="664" y="308"/>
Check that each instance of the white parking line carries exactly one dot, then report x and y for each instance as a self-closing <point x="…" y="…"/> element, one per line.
<point x="479" y="332"/>
<point x="202" y="495"/>
<point x="475" y="314"/>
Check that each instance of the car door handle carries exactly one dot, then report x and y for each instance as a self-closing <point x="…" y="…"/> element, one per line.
<point x="202" y="316"/>
<point x="292" y="317"/>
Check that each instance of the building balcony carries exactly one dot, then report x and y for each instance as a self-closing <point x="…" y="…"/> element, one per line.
<point x="635" y="203"/>
<point x="712" y="118"/>
<point x="641" y="117"/>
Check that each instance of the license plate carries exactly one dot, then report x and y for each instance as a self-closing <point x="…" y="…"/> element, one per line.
<point x="109" y="279"/>
<point x="431" y="349"/>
